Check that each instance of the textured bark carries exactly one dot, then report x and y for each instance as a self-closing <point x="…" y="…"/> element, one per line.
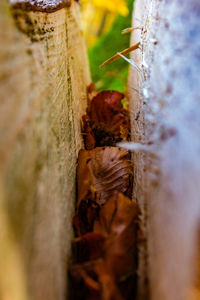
<point x="43" y="81"/>
<point x="167" y="175"/>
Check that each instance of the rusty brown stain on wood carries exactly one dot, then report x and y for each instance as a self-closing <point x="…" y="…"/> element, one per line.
<point x="47" y="6"/>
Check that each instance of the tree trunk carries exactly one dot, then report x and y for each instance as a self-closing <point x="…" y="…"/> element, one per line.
<point x="44" y="77"/>
<point x="165" y="114"/>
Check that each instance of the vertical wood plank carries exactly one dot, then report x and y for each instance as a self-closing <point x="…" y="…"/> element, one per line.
<point x="43" y="80"/>
<point x="168" y="97"/>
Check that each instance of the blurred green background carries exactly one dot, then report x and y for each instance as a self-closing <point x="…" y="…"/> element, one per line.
<point x="113" y="76"/>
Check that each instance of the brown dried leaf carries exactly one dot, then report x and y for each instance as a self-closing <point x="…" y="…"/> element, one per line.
<point x="85" y="284"/>
<point x="94" y="282"/>
<point x="118" y="221"/>
<point x="88" y="247"/>
<point x="107" y="121"/>
<point x="111" y="170"/>
<point x="112" y="276"/>
<point x="110" y="290"/>
<point x="102" y="171"/>
<point x="118" y="213"/>
<point x="86" y="213"/>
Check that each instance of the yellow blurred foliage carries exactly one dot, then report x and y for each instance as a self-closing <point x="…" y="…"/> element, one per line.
<point x="116" y="6"/>
<point x="98" y="16"/>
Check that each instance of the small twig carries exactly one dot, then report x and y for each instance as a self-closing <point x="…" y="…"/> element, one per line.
<point x="130" y="29"/>
<point x="117" y="56"/>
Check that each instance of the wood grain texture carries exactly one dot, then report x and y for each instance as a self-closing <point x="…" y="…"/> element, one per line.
<point x="167" y="175"/>
<point x="138" y="136"/>
<point x="43" y="80"/>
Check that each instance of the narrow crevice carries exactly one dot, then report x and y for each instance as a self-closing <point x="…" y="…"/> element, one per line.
<point x="106" y="220"/>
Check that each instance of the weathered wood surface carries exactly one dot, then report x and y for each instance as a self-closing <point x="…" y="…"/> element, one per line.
<point x="167" y="174"/>
<point x="43" y="79"/>
<point x="138" y="136"/>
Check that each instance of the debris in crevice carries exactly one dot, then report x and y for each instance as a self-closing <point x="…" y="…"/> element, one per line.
<point x="124" y="52"/>
<point x="106" y="121"/>
<point x="106" y="220"/>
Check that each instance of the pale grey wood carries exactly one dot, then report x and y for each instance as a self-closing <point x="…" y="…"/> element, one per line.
<point x="169" y="126"/>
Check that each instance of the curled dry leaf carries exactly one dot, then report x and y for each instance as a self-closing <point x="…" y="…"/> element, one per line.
<point x="112" y="276"/>
<point x="106" y="122"/>
<point x="88" y="247"/>
<point x="94" y="282"/>
<point x="85" y="284"/>
<point x="118" y="222"/>
<point x="100" y="172"/>
<point x="117" y="215"/>
<point x="105" y="222"/>
<point x="111" y="170"/>
<point x="86" y="213"/>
